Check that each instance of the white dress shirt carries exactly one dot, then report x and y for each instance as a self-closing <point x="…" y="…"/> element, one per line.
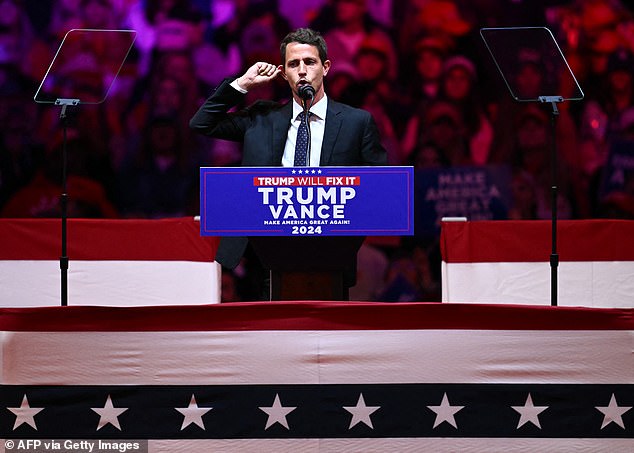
<point x="317" y="125"/>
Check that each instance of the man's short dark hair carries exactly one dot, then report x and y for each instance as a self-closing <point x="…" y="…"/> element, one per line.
<point x="305" y="36"/>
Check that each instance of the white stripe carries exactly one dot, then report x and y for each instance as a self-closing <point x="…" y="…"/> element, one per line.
<point x="109" y="283"/>
<point x="317" y="357"/>
<point x="605" y="284"/>
<point x="381" y="445"/>
<point x="424" y="444"/>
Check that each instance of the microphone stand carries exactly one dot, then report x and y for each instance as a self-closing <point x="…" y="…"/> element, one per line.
<point x="554" y="257"/>
<point x="307" y="120"/>
<point x="63" y="259"/>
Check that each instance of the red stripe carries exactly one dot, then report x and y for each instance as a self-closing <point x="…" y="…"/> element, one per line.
<point x="89" y="239"/>
<point x="315" y="316"/>
<point x="530" y="241"/>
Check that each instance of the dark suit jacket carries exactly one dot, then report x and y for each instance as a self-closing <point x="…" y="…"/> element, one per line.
<point x="350" y="138"/>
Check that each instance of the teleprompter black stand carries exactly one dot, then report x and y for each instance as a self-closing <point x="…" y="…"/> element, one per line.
<point x="308" y="268"/>
<point x="82" y="72"/>
<point x="506" y="46"/>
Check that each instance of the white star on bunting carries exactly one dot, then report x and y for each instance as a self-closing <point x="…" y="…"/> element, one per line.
<point x="25" y="414"/>
<point x="529" y="413"/>
<point x="361" y="413"/>
<point x="445" y="412"/>
<point x="613" y="413"/>
<point x="193" y="414"/>
<point x="109" y="414"/>
<point x="277" y="413"/>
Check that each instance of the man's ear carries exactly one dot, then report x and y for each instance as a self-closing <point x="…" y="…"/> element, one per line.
<point x="326" y="66"/>
<point x="281" y="69"/>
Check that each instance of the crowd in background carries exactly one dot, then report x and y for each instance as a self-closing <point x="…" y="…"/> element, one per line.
<point x="419" y="66"/>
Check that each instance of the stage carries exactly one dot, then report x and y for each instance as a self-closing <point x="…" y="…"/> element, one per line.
<point x="322" y="376"/>
<point x="146" y="358"/>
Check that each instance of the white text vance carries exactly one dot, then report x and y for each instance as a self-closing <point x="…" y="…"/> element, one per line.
<point x="307" y="202"/>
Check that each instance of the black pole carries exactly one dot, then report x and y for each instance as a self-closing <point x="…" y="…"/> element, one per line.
<point x="63" y="259"/>
<point x="554" y="257"/>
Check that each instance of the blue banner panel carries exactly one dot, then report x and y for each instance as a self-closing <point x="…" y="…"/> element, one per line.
<point x="477" y="193"/>
<point x="618" y="173"/>
<point x="311" y="201"/>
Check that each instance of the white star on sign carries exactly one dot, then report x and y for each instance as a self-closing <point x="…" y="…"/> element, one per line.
<point x="277" y="413"/>
<point x="529" y="413"/>
<point x="361" y="412"/>
<point x="109" y="414"/>
<point x="193" y="413"/>
<point x="613" y="413"/>
<point x="25" y="413"/>
<point x="445" y="412"/>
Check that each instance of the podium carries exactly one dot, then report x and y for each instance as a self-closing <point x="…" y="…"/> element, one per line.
<point x="306" y="224"/>
<point x="309" y="268"/>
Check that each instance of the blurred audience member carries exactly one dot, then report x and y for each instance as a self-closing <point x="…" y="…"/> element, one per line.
<point x="17" y="37"/>
<point x="441" y="19"/>
<point x="458" y="86"/>
<point x="229" y="287"/>
<point x="352" y="26"/>
<point x="442" y="124"/>
<point x="601" y="121"/>
<point x="524" y="199"/>
<point x="343" y="83"/>
<point x="162" y="26"/>
<point x="532" y="154"/>
<point x="65" y="15"/>
<point x="158" y="181"/>
<point x="87" y="194"/>
<point x="372" y="263"/>
<point x="428" y="61"/>
<point x="261" y="32"/>
<point x="171" y="90"/>
<point x="20" y="154"/>
<point x="377" y="94"/>
<point x="410" y="278"/>
<point x="427" y="155"/>
<point x="100" y="14"/>
<point x="527" y="82"/>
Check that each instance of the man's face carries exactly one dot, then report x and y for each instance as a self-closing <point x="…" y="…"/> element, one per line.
<point x="303" y="66"/>
<point x="429" y="65"/>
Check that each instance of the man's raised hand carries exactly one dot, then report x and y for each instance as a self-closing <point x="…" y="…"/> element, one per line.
<point x="261" y="72"/>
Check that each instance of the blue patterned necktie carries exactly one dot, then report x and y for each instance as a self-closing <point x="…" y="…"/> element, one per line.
<point x="301" y="144"/>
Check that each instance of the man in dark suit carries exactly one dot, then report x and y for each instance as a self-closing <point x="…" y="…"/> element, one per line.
<point x="340" y="135"/>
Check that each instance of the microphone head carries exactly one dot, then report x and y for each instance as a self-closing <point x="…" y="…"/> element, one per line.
<point x="306" y="91"/>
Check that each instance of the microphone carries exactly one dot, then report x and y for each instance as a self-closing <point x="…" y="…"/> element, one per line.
<point x="306" y="91"/>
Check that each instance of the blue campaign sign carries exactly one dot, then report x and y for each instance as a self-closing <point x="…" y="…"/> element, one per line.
<point x="477" y="193"/>
<point x="315" y="201"/>
<point x="618" y="173"/>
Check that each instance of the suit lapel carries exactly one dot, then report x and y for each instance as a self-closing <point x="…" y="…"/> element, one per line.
<point x="281" y="124"/>
<point x="331" y="131"/>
